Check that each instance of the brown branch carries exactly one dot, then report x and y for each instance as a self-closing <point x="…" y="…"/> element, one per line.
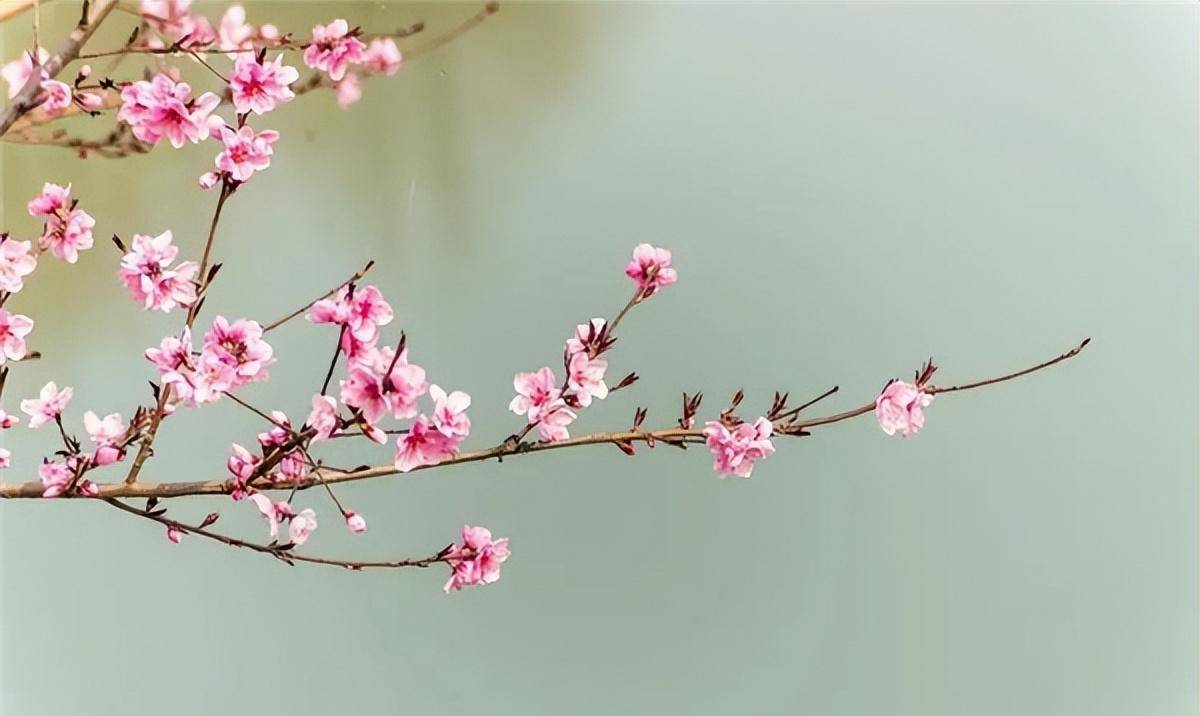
<point x="279" y="551"/>
<point x="678" y="436"/>
<point x="300" y="311"/>
<point x="26" y="99"/>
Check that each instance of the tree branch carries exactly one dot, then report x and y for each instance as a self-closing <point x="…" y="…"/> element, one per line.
<point x="679" y="437"/>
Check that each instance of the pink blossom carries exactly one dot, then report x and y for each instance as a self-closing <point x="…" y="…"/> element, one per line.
<point x="104" y="431"/>
<point x="363" y="389"/>
<point x="53" y="200"/>
<point x="280" y="432"/>
<point x="107" y="434"/>
<point x="147" y="273"/>
<point x="5" y="459"/>
<point x="245" y="152"/>
<point x="172" y="355"/>
<point x="233" y="33"/>
<point x="239" y="345"/>
<point x="16" y="262"/>
<point x="450" y="412"/>
<point x="333" y="49"/>
<point x="174" y="534"/>
<point x="13" y="329"/>
<point x="535" y="391"/>
<point x="477" y="560"/>
<point x="423" y="445"/>
<point x="900" y="408"/>
<point x="205" y="380"/>
<point x="586" y="378"/>
<point x="161" y="108"/>
<point x="382" y="56"/>
<point x="56" y="477"/>
<point x="735" y="451"/>
<point x="49" y="404"/>
<point x="363" y="311"/>
<point x="348" y="91"/>
<point x="260" y="88"/>
<point x="242" y="465"/>
<point x="268" y="511"/>
<point x="66" y="237"/>
<point x="209" y="179"/>
<point x="355" y="523"/>
<point x="58" y="97"/>
<point x="68" y="230"/>
<point x="302" y="526"/>
<point x="553" y="421"/>
<point x="366" y="388"/>
<point x="17" y="72"/>
<point x="7" y="420"/>
<point x="650" y="269"/>
<point x="169" y="17"/>
<point x="585" y="335"/>
<point x="324" y="417"/>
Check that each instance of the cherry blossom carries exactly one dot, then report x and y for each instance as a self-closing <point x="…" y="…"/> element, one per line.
<point x="174" y="534"/>
<point x="160" y="108"/>
<point x="334" y="49"/>
<point x="13" y="329"/>
<point x="242" y="464"/>
<point x="735" y="451"/>
<point x="348" y="91"/>
<point x="586" y="378"/>
<point x="233" y="32"/>
<point x="302" y="526"/>
<point x="54" y="199"/>
<point x="261" y="87"/>
<point x="107" y="434"/>
<point x="16" y="262"/>
<point x="5" y="458"/>
<point x="8" y="420"/>
<point x="477" y="560"/>
<point x="270" y="513"/>
<point x="58" y="97"/>
<point x="535" y="391"/>
<point x="585" y="334"/>
<point x="147" y="273"/>
<point x="65" y="238"/>
<point x="553" y="421"/>
<point x="423" y="444"/>
<point x="239" y="345"/>
<point x="382" y="56"/>
<point x="68" y="230"/>
<point x="362" y="310"/>
<point x="17" y="72"/>
<point x="651" y="269"/>
<point x="172" y="18"/>
<point x="48" y="406"/>
<point x="355" y="523"/>
<point x="245" y="152"/>
<point x="56" y="477"/>
<point x="324" y="417"/>
<point x="450" y="412"/>
<point x="900" y="408"/>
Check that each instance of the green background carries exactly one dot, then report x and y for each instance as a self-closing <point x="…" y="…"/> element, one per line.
<point x="847" y="188"/>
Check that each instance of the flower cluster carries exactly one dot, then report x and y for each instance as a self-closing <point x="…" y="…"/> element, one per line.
<point x="147" y="272"/>
<point x="68" y="229"/>
<point x="900" y="408"/>
<point x="736" y="450"/>
<point x="231" y="355"/>
<point x="161" y="107"/>
<point x="477" y="560"/>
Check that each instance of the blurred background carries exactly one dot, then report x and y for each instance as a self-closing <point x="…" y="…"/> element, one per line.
<point x="847" y="189"/>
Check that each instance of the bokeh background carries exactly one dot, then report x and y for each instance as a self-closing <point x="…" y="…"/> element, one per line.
<point x="847" y="188"/>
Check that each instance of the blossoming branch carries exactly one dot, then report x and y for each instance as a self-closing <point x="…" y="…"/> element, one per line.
<point x="373" y="391"/>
